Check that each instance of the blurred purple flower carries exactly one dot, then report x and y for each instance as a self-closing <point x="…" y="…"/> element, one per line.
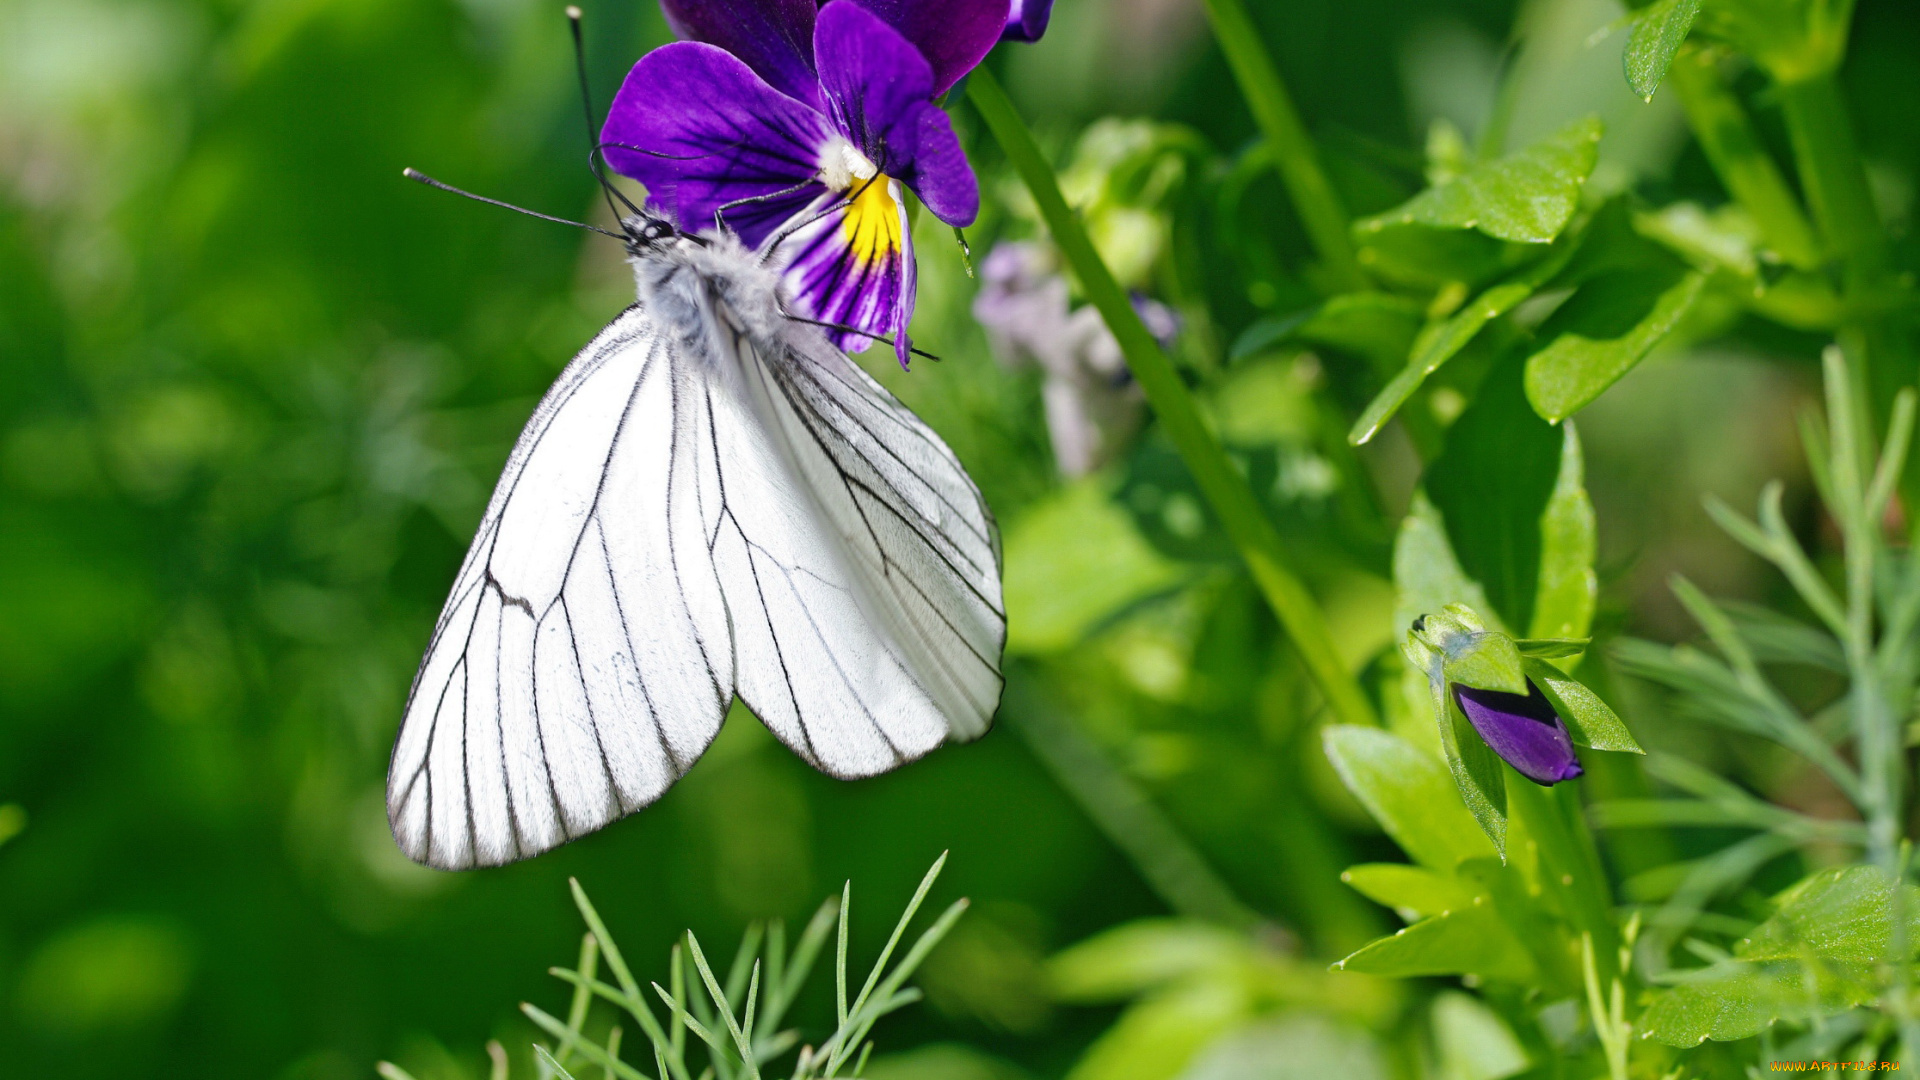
<point x="799" y="127"/>
<point x="1027" y="20"/>
<point x="1092" y="403"/>
<point x="1523" y="729"/>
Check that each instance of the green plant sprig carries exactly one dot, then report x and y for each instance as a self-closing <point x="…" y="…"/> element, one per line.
<point x="739" y="1019"/>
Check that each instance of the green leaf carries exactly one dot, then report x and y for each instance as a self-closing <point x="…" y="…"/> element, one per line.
<point x="1157" y="1038"/>
<point x="1409" y="888"/>
<point x="1552" y="648"/>
<point x="1492" y="483"/>
<point x="1474" y="1043"/>
<point x="1564" y="601"/>
<point x="1842" y="915"/>
<point x="1425" y="258"/>
<point x="1589" y="721"/>
<point x="1737" y="1000"/>
<point x="1139" y="956"/>
<point x="1477" y="771"/>
<point x="1816" y="956"/>
<point x="1527" y="196"/>
<point x="1442" y="341"/>
<point x="1488" y="661"/>
<point x="1657" y="33"/>
<point x="1072" y="560"/>
<point x="1302" y="1046"/>
<point x="1470" y="941"/>
<point x="1378" y="326"/>
<point x="1408" y="793"/>
<point x="1426" y="575"/>
<point x="1601" y="332"/>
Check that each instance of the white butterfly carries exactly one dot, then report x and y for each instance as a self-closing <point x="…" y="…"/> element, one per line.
<point x="711" y="501"/>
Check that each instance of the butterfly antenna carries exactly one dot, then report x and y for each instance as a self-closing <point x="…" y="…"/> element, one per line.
<point x="594" y="157"/>
<point x="845" y="329"/>
<point x="420" y="177"/>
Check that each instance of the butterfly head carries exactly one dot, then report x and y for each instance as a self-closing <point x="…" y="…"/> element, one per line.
<point x="647" y="233"/>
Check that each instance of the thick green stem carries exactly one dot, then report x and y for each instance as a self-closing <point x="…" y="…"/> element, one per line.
<point x="1314" y="199"/>
<point x="1226" y="489"/>
<point x="1569" y="864"/>
<point x="1833" y="176"/>
<point x="1835" y="179"/>
<point x="1737" y="157"/>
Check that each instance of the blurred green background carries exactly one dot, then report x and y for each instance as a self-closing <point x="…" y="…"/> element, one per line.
<point x="257" y="387"/>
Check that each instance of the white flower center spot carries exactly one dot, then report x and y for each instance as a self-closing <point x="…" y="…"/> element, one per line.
<point x="842" y="165"/>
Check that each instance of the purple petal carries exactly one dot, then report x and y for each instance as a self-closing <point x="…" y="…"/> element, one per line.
<point x="1027" y="20"/>
<point x="953" y="35"/>
<point x="1523" y="729"/>
<point x="773" y="37"/>
<point x="854" y="267"/>
<point x="874" y="81"/>
<point x="701" y="131"/>
<point x="940" y="174"/>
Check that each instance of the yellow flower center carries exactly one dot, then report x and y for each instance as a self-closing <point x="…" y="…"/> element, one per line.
<point x="872" y="224"/>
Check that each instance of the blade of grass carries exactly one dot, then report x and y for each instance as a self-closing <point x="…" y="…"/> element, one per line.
<point x="899" y="928"/>
<point x="840" y="956"/>
<point x="582" y="995"/>
<point x="632" y="1001"/>
<point x="743" y="958"/>
<point x="1225" y="487"/>
<point x="722" y="1004"/>
<point x="592" y="1051"/>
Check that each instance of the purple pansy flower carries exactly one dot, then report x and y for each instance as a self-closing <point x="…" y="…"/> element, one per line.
<point x="799" y="128"/>
<point x="1523" y="729"/>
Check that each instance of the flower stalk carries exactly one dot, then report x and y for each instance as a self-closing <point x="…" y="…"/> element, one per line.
<point x="1321" y="213"/>
<point x="1225" y="487"/>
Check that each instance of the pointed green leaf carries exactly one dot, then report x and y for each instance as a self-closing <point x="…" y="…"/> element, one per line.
<point x="1601" y="332"/>
<point x="1737" y="1000"/>
<point x="1441" y="341"/>
<point x="1488" y="662"/>
<point x="1658" y="30"/>
<point x="1470" y="941"/>
<point x="1589" y="721"/>
<point x="1474" y="1043"/>
<point x="1426" y="575"/>
<point x="1527" y="196"/>
<point x="1552" y="648"/>
<point x="1843" y="915"/>
<point x="1492" y="483"/>
<point x="1564" y="600"/>
<point x="1409" y="888"/>
<point x="1407" y="792"/>
<point x="1476" y="770"/>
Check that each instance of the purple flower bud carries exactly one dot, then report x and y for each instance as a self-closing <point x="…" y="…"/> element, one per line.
<point x="1523" y="729"/>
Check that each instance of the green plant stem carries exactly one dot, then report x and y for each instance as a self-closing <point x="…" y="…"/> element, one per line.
<point x="1737" y="157"/>
<point x="1832" y="174"/>
<point x="1225" y="487"/>
<point x="1828" y="160"/>
<point x="1569" y="864"/>
<point x="1314" y="199"/>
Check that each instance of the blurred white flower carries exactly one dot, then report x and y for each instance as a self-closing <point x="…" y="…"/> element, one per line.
<point x="1092" y="403"/>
